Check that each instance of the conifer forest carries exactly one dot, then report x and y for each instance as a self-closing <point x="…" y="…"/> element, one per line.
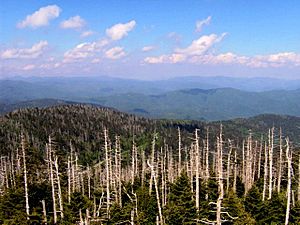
<point x="81" y="164"/>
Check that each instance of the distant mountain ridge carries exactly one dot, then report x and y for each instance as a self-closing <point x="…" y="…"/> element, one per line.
<point x="158" y="99"/>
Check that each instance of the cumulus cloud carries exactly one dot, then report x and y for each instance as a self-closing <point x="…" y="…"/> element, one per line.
<point x="198" y="47"/>
<point x="41" y="17"/>
<point x="25" y="53"/>
<point x="74" y="22"/>
<point x="173" y="58"/>
<point x="115" y="53"/>
<point x="201" y="45"/>
<point x="147" y="48"/>
<point x="96" y="60"/>
<point x="28" y="67"/>
<point x="282" y="59"/>
<point x="201" y="23"/>
<point x="87" y="33"/>
<point x="84" y="50"/>
<point x="120" y="30"/>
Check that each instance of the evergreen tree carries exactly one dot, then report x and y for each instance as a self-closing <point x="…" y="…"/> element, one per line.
<point x="180" y="208"/>
<point x="253" y="202"/>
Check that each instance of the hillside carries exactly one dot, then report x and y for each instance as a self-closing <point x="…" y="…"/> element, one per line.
<point x="212" y="104"/>
<point x="189" y="104"/>
<point x="190" y="98"/>
<point x="84" y="124"/>
<point x="103" y="163"/>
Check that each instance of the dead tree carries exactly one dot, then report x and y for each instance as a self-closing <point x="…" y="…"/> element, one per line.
<point x="265" y="173"/>
<point x="197" y="169"/>
<point x="289" y="184"/>
<point x="59" y="188"/>
<point x="271" y="147"/>
<point x="107" y="172"/>
<point x="280" y="162"/>
<point x="25" y="176"/>
<point x="49" y="146"/>
<point x="157" y="192"/>
<point x="152" y="163"/>
<point x="179" y="152"/>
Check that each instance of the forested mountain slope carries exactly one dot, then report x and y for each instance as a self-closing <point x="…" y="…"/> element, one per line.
<point x="100" y="166"/>
<point x="190" y="98"/>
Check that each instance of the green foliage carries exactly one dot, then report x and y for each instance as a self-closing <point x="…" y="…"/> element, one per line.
<point x="253" y="202"/>
<point x="234" y="206"/>
<point x="180" y="208"/>
<point x="12" y="210"/>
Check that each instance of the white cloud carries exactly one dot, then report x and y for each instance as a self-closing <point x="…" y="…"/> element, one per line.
<point x="147" y="48"/>
<point x="173" y="58"/>
<point x="201" y="45"/>
<point x="75" y="22"/>
<point x="96" y="60"/>
<point x="198" y="47"/>
<point x="25" y="53"/>
<point x="201" y="23"/>
<point x="87" y="33"/>
<point x="28" y="67"/>
<point x="115" y="53"/>
<point x="120" y="30"/>
<point x="84" y="50"/>
<point x="283" y="59"/>
<point x="41" y="17"/>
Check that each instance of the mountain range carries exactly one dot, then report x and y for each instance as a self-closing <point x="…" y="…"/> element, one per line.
<point x="195" y="98"/>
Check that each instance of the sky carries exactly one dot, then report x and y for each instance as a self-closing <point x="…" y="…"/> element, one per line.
<point x="150" y="39"/>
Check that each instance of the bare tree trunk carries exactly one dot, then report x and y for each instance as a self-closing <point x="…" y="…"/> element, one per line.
<point x="192" y="167"/>
<point x="152" y="162"/>
<point x="59" y="189"/>
<point x="89" y="181"/>
<point x="25" y="177"/>
<point x="243" y="163"/>
<point x="228" y="166"/>
<point x="220" y="177"/>
<point x="143" y="167"/>
<point x="288" y="191"/>
<point x="259" y="158"/>
<point x="52" y="181"/>
<point x="107" y="173"/>
<point x="69" y="180"/>
<point x="271" y="138"/>
<point x="197" y="170"/>
<point x="280" y="162"/>
<point x="265" y="173"/>
<point x="44" y="212"/>
<point x="179" y="152"/>
<point x="207" y="155"/>
<point x="157" y="193"/>
<point x="235" y="173"/>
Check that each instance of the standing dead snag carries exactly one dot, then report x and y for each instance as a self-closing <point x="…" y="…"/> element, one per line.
<point x="157" y="192"/>
<point x="228" y="166"/>
<point x="152" y="163"/>
<point x="197" y="156"/>
<point x="49" y="150"/>
<point x="280" y="162"/>
<point x="289" y="185"/>
<point x="25" y="175"/>
<point x="179" y="152"/>
<point x="220" y="176"/>
<point x="271" y="148"/>
<point x="107" y="172"/>
<point x="59" y="189"/>
<point x="265" y="173"/>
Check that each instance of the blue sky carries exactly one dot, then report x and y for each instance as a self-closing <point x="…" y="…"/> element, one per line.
<point x="150" y="39"/>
